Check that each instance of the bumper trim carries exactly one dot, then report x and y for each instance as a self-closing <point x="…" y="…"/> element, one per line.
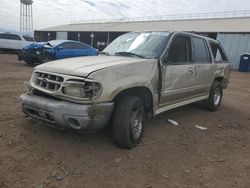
<point x="62" y="114"/>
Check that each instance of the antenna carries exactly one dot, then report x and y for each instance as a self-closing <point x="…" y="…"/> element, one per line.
<point x="26" y="16"/>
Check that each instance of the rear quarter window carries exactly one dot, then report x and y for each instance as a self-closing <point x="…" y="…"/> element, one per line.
<point x="218" y="54"/>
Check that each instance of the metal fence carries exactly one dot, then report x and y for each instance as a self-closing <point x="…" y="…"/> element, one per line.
<point x="235" y="45"/>
<point x="209" y="15"/>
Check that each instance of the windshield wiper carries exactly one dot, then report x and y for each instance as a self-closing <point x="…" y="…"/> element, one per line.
<point x="129" y="54"/>
<point x="105" y="53"/>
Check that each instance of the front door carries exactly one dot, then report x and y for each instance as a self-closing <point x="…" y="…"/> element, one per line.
<point x="65" y="50"/>
<point x="178" y="72"/>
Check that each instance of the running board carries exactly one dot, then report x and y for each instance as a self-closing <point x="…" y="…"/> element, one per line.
<point x="163" y="109"/>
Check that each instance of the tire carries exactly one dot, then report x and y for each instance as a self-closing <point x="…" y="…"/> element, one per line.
<point x="128" y="122"/>
<point x="46" y="58"/>
<point x="215" y="96"/>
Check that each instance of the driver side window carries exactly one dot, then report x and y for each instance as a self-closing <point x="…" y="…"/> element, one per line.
<point x="180" y="50"/>
<point x="67" y="45"/>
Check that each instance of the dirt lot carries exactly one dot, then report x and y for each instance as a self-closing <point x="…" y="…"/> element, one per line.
<point x="32" y="155"/>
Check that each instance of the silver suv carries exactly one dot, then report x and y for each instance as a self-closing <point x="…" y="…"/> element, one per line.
<point x="140" y="74"/>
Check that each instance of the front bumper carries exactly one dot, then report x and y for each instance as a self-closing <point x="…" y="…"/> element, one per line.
<point x="62" y="114"/>
<point x="27" y="56"/>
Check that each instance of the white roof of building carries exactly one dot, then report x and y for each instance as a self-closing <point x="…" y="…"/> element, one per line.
<point x="241" y="24"/>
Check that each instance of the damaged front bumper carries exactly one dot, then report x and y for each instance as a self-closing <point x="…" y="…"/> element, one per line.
<point x="28" y="55"/>
<point x="62" y="114"/>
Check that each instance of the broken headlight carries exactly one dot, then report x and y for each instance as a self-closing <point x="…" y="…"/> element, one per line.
<point x="82" y="89"/>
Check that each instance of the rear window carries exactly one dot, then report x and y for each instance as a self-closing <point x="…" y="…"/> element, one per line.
<point x="27" y="38"/>
<point x="218" y="53"/>
<point x="10" y="36"/>
<point x="201" y="53"/>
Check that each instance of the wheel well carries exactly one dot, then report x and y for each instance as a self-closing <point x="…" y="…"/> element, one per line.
<point x="219" y="79"/>
<point x="142" y="92"/>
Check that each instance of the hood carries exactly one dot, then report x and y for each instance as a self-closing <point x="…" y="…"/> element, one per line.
<point x="83" y="66"/>
<point x="34" y="45"/>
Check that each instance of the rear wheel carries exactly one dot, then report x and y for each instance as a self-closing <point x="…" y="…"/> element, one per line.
<point x="128" y="122"/>
<point x="215" y="96"/>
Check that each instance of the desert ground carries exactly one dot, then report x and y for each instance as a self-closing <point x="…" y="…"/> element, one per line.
<point x="34" y="155"/>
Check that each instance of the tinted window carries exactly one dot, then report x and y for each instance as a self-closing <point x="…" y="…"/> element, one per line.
<point x="180" y="50"/>
<point x="10" y="36"/>
<point x="67" y="45"/>
<point x="3" y="36"/>
<point x="27" y="38"/>
<point x="80" y="46"/>
<point x="201" y="53"/>
<point x="14" y="37"/>
<point x="218" y="53"/>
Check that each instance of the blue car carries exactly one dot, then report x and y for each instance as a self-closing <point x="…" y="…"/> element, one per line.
<point x="41" y="52"/>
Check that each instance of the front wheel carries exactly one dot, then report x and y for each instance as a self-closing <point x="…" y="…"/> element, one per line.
<point x="128" y="122"/>
<point x="215" y="96"/>
<point x="46" y="58"/>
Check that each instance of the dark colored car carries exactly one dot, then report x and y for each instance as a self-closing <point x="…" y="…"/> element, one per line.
<point x="41" y="52"/>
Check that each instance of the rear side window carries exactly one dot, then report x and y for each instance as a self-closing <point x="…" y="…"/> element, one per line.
<point x="201" y="53"/>
<point x="218" y="53"/>
<point x="80" y="46"/>
<point x="3" y="36"/>
<point x="180" y="50"/>
<point x="27" y="38"/>
<point x="10" y="36"/>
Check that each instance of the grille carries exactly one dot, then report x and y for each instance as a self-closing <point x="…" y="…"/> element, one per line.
<point x="47" y="81"/>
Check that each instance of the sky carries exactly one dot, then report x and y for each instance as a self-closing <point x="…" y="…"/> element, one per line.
<point x="49" y="13"/>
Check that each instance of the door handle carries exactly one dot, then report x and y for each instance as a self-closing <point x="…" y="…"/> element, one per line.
<point x="212" y="67"/>
<point x="190" y="69"/>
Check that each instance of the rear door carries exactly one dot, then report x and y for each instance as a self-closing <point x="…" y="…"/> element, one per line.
<point x="204" y="68"/>
<point x="10" y="41"/>
<point x="15" y="41"/>
<point x="4" y="41"/>
<point x="221" y="64"/>
<point x="82" y="50"/>
<point x="178" y="72"/>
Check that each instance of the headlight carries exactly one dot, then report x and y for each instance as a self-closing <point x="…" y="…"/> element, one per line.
<point x="84" y="89"/>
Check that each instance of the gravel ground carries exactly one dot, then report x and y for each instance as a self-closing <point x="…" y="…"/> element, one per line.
<point x="33" y="155"/>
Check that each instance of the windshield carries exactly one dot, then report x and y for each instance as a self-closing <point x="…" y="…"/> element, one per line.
<point x="146" y="45"/>
<point x="54" y="43"/>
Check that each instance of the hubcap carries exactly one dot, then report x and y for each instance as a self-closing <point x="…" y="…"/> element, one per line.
<point x="136" y="124"/>
<point x="217" y="96"/>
